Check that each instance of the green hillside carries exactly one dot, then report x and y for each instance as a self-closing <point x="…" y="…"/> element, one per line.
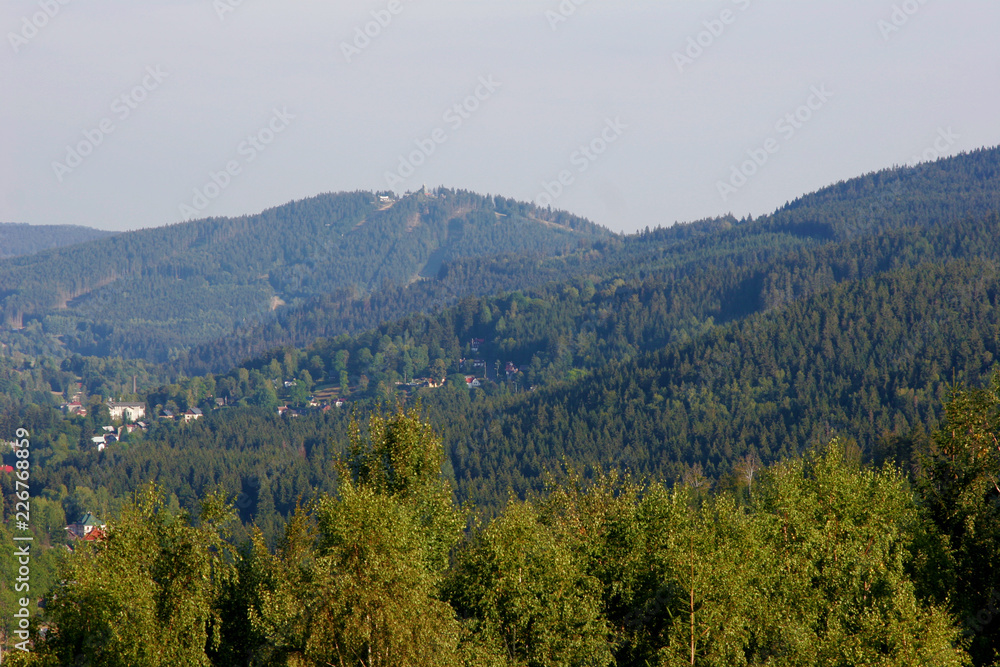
<point x="678" y="436"/>
<point x="723" y="259"/>
<point x="153" y="293"/>
<point x="730" y="339"/>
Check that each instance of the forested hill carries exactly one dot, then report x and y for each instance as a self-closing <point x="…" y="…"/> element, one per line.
<point x="207" y="295"/>
<point x="722" y="268"/>
<point x="150" y="292"/>
<point x="691" y="356"/>
<point x="947" y="189"/>
<point x="721" y="340"/>
<point x="21" y="239"/>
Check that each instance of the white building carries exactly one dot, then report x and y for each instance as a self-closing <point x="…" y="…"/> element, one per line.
<point x="127" y="411"/>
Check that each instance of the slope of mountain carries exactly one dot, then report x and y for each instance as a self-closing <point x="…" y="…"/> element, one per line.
<point x="694" y="353"/>
<point x="154" y="292"/>
<point x="209" y="294"/>
<point x="17" y="239"/>
<point x="722" y="261"/>
<point x="726" y="340"/>
<point x="861" y="338"/>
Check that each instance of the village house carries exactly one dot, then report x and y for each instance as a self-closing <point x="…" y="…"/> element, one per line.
<point x="193" y="414"/>
<point x="126" y="411"/>
<point x="87" y="528"/>
<point x="75" y="408"/>
<point x="102" y="441"/>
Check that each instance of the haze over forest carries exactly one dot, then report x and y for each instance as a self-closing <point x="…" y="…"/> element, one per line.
<point x="522" y="334"/>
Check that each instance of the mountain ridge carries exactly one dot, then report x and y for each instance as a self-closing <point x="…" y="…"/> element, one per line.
<point x="185" y="283"/>
<point x="18" y="239"/>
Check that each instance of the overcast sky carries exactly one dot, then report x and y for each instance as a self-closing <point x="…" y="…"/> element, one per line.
<point x="122" y="114"/>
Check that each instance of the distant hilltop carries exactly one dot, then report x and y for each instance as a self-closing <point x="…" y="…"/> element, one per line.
<point x="17" y="239"/>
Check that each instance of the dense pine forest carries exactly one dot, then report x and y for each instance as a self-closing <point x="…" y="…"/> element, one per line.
<point x="445" y="428"/>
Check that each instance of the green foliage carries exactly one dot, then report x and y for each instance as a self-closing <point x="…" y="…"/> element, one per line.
<point x="842" y="542"/>
<point x="356" y="580"/>
<point x="527" y="596"/>
<point x="353" y="589"/>
<point x="865" y="359"/>
<point x="143" y="596"/>
<point x="959" y="481"/>
<point x="823" y="566"/>
<point x="401" y="457"/>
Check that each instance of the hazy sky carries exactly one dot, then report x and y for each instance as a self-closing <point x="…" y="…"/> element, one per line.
<point x="122" y="114"/>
